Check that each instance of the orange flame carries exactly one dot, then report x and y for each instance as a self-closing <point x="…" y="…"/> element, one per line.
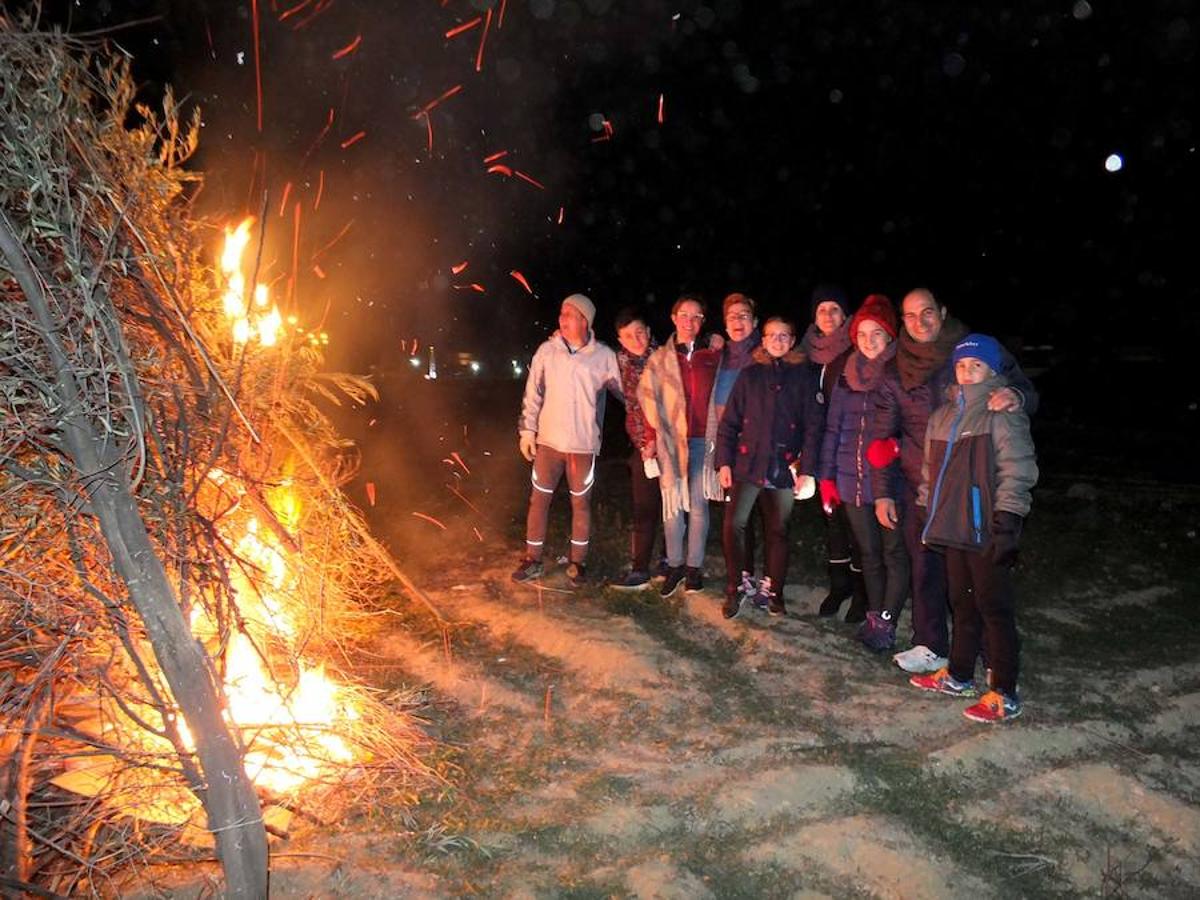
<point x="259" y="319"/>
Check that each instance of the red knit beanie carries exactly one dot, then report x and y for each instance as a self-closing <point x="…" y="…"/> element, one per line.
<point x="878" y="308"/>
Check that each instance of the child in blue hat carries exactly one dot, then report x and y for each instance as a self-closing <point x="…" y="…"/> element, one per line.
<point x="976" y="480"/>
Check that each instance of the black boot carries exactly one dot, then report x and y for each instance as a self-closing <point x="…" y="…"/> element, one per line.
<point x="840" y="587"/>
<point x="858" y="606"/>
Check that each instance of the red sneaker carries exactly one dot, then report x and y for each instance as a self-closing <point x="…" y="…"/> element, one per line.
<point x="993" y="707"/>
<point x="944" y="683"/>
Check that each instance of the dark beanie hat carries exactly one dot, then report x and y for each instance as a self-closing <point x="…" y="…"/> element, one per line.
<point x="823" y="292"/>
<point x="878" y="308"/>
<point x="981" y="347"/>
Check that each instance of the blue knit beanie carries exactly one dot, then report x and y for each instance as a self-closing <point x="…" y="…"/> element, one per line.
<point x="982" y="347"/>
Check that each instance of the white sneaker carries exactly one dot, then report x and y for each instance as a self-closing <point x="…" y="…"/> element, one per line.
<point x="919" y="659"/>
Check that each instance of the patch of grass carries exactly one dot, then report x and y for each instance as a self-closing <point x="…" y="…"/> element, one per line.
<point x="1120" y="634"/>
<point x="752" y="881"/>
<point x="592" y="891"/>
<point x="895" y="784"/>
<point x="607" y="786"/>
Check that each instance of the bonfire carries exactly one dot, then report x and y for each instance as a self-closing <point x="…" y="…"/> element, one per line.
<point x="179" y="572"/>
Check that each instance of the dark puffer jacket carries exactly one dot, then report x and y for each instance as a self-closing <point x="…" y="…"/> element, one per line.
<point x="772" y="419"/>
<point x="848" y="428"/>
<point x="976" y="463"/>
<point x="903" y="412"/>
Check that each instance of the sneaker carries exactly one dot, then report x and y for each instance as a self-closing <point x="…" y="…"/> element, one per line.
<point x="673" y="580"/>
<point x="662" y="569"/>
<point x="748" y="587"/>
<point x="761" y="598"/>
<point x="994" y="706"/>
<point x="878" y="632"/>
<point x="577" y="574"/>
<point x="694" y="580"/>
<point x="944" y="683"/>
<point x="733" y="603"/>
<point x="633" y="580"/>
<point x="527" y="570"/>
<point x="919" y="660"/>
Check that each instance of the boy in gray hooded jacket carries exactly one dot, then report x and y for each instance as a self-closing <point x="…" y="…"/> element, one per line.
<point x="976" y="478"/>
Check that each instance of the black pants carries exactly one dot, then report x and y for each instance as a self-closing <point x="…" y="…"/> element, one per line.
<point x="981" y="594"/>
<point x="884" y="559"/>
<point x="930" y="601"/>
<point x="842" y="549"/>
<point x="776" y="505"/>
<point x="647" y="513"/>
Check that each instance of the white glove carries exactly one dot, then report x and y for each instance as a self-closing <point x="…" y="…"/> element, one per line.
<point x="650" y="466"/>
<point x="528" y="445"/>
<point x="806" y="486"/>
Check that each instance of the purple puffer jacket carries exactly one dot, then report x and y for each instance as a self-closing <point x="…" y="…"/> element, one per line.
<point x="848" y="428"/>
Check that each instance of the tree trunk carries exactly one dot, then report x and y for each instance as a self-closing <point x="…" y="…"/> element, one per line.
<point x="234" y="813"/>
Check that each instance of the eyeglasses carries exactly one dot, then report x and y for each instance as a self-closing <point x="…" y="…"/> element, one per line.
<point x="778" y="336"/>
<point x="690" y="317"/>
<point x="739" y="317"/>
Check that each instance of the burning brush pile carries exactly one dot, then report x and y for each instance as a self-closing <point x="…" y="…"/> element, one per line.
<point x="179" y="572"/>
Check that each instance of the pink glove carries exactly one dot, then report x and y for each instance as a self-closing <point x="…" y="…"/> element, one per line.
<point x="883" y="453"/>
<point x="829" y="494"/>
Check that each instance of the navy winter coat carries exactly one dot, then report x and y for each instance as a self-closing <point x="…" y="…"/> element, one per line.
<point x="772" y="419"/>
<point x="843" y="451"/>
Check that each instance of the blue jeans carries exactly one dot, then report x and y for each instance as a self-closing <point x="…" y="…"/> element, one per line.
<point x="697" y="520"/>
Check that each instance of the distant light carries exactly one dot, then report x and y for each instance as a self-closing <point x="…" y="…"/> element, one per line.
<point x="415" y="362"/>
<point x="474" y="367"/>
<point x="1114" y="163"/>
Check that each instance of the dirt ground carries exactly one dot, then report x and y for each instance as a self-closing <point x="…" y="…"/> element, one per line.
<point x="597" y="743"/>
<point x="655" y="750"/>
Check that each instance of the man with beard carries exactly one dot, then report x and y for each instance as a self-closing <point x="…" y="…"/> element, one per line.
<point x="913" y="386"/>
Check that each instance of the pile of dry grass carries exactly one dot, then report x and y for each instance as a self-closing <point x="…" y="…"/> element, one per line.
<point x="139" y="446"/>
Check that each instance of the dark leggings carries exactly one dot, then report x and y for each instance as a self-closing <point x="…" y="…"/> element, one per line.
<point x="884" y="559"/>
<point x="776" y="505"/>
<point x="842" y="549"/>
<point x="647" y="513"/>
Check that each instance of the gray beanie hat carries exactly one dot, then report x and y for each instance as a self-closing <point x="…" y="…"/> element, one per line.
<point x="586" y="307"/>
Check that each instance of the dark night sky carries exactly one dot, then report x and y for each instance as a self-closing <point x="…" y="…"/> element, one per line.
<point x="880" y="144"/>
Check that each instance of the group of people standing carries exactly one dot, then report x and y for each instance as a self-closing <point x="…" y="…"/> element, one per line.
<point x="916" y="439"/>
